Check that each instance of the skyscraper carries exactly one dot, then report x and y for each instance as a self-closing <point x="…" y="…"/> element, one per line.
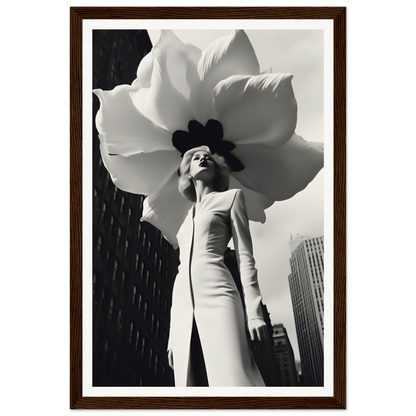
<point x="306" y="282"/>
<point x="133" y="265"/>
<point x="283" y="352"/>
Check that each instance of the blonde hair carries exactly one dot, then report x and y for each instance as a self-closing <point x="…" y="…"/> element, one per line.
<point x="221" y="178"/>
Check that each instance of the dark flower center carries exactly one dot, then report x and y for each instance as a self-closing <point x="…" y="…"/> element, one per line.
<point x="212" y="136"/>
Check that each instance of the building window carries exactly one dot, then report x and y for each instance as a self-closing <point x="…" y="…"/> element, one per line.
<point x="111" y="308"/>
<point x="137" y="261"/>
<point x="120" y="318"/>
<point x="118" y="235"/>
<point x="156" y="363"/>
<point x="99" y="244"/>
<point x="108" y="258"/>
<point x="123" y="280"/>
<point x="134" y="295"/>
<point x="145" y="311"/>
<point x="137" y="340"/>
<point x="115" y="270"/>
<point x="112" y="224"/>
<point x="149" y="247"/>
<point x="122" y="203"/>
<point x="94" y="283"/>
<point x="131" y="331"/>
<point x="129" y="216"/>
<point x="103" y="211"/>
<point x="115" y="193"/>
<point x="152" y="325"/>
<point x="139" y="304"/>
<point x="157" y="327"/>
<point x="143" y="347"/>
<point x="126" y="247"/>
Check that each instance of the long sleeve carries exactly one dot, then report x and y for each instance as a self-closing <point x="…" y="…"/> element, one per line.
<point x="244" y="253"/>
<point x="169" y="346"/>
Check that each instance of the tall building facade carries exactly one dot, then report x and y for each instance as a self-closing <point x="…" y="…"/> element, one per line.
<point x="306" y="282"/>
<point x="285" y="357"/>
<point x="133" y="265"/>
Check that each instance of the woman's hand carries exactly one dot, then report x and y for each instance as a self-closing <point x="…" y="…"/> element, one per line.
<point x="170" y="359"/>
<point x="257" y="329"/>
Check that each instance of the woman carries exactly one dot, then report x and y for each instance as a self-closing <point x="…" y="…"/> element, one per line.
<point x="209" y="323"/>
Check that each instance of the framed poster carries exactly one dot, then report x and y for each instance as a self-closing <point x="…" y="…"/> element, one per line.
<point x="123" y="269"/>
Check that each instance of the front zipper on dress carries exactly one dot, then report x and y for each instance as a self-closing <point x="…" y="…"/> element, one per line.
<point x="190" y="257"/>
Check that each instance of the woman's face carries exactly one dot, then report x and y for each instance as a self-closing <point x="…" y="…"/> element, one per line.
<point x="202" y="166"/>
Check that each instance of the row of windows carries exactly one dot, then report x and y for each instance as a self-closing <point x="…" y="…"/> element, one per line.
<point x="144" y="347"/>
<point x="146" y="243"/>
<point x="320" y="293"/>
<point x="305" y="271"/>
<point x="157" y="295"/>
<point x="140" y="302"/>
<point x="146" y="352"/>
<point x="138" y="264"/>
<point x="310" y="342"/>
<point x="314" y="241"/>
<point x="140" y="343"/>
<point x="277" y="343"/>
<point x="123" y="201"/>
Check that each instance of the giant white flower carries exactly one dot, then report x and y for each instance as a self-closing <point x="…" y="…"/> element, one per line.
<point x="183" y="97"/>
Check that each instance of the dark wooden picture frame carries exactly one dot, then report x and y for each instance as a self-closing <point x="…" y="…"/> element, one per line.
<point x="338" y="401"/>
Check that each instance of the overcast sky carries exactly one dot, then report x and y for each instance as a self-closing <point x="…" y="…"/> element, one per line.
<point x="299" y="52"/>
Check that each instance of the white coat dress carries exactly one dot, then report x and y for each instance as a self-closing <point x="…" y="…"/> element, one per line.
<point x="205" y="293"/>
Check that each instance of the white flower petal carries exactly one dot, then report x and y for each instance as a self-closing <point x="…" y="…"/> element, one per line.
<point x="167" y="100"/>
<point x="142" y="173"/>
<point x="181" y="62"/>
<point x="229" y="55"/>
<point x="125" y="130"/>
<point x="256" y="203"/>
<point x="166" y="209"/>
<point x="282" y="172"/>
<point x="258" y="110"/>
<point x="144" y="71"/>
<point x="226" y="56"/>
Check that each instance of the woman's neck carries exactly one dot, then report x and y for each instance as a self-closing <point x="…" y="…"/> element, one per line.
<point x="202" y="189"/>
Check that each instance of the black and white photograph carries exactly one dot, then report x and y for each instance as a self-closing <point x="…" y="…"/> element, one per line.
<point x="208" y="196"/>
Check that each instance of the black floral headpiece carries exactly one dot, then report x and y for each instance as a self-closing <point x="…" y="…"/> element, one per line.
<point x="212" y="136"/>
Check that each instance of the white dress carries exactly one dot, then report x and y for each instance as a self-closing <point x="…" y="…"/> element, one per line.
<point x="206" y="295"/>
